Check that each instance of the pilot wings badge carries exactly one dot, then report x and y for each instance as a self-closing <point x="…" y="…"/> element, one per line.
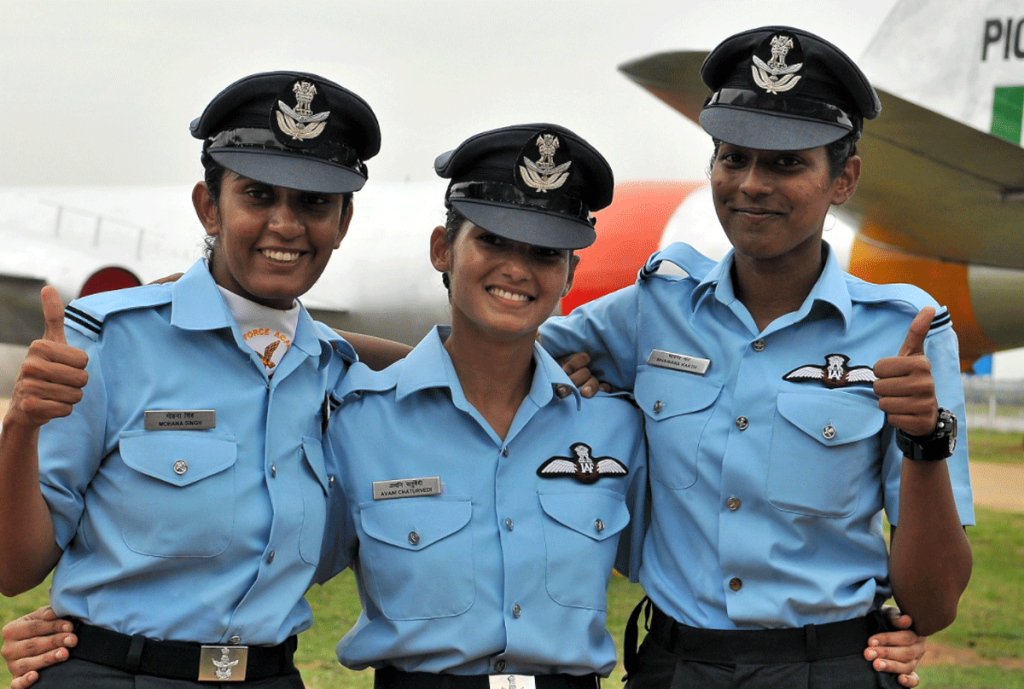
<point x="544" y="175"/>
<point x="776" y="76"/>
<point x="301" y="123"/>
<point x="835" y="373"/>
<point x="583" y="467"/>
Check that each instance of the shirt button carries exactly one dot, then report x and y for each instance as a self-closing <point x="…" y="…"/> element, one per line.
<point x="742" y="423"/>
<point x="270" y="558"/>
<point x="235" y="640"/>
<point x="500" y="666"/>
<point x="733" y="504"/>
<point x="599" y="525"/>
<point x="759" y="345"/>
<point x="509" y="525"/>
<point x="330" y="482"/>
<point x="180" y="467"/>
<point x="516" y="610"/>
<point x="829" y="432"/>
<point x="504" y="451"/>
<point x="657" y="406"/>
<point x="273" y="471"/>
<point x="735" y="583"/>
<point x="414" y="538"/>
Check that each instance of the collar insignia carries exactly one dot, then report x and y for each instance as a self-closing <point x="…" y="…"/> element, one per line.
<point x="834" y="374"/>
<point x="544" y="174"/>
<point x="776" y="76"/>
<point x="583" y="467"/>
<point x="301" y="123"/>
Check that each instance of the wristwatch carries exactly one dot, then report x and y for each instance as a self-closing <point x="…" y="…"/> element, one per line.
<point x="933" y="447"/>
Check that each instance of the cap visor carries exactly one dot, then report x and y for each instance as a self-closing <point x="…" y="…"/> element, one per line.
<point x="755" y="129"/>
<point x="522" y="224"/>
<point x="291" y="171"/>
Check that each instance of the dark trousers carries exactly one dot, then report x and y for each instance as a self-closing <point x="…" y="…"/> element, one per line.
<point x="658" y="668"/>
<point x="81" y="674"/>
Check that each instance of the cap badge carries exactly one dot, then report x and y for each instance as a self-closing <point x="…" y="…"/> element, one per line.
<point x="301" y="123"/>
<point x="544" y="175"/>
<point x="834" y="374"/>
<point x="584" y="467"/>
<point x="776" y="76"/>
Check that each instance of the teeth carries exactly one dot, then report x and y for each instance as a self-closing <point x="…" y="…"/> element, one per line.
<point x="281" y="255"/>
<point x="508" y="295"/>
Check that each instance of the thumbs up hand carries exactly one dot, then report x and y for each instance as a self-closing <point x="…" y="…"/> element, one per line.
<point x="905" y="388"/>
<point x="53" y="374"/>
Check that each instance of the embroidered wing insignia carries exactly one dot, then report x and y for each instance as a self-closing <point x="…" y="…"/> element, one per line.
<point x="268" y="354"/>
<point x="584" y="467"/>
<point x="834" y="374"/>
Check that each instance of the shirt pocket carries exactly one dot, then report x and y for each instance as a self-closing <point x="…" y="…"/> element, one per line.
<point x="822" y="445"/>
<point x="677" y="407"/>
<point x="178" y="492"/>
<point x="314" y="501"/>
<point x="417" y="557"/>
<point x="580" y="537"/>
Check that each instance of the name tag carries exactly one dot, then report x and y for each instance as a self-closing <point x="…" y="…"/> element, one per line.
<point x="407" y="488"/>
<point x="678" y="362"/>
<point x="181" y="419"/>
<point x="512" y="682"/>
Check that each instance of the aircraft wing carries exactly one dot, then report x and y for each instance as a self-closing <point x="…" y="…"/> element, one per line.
<point x="933" y="186"/>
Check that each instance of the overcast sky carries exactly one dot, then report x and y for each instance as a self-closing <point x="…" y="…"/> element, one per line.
<point x="102" y="91"/>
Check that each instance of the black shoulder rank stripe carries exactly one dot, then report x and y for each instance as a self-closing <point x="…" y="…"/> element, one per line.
<point x="83" y="319"/>
<point x="940" y="320"/>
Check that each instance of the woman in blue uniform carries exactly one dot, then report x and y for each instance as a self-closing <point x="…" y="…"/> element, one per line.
<point x="786" y="402"/>
<point x="483" y="510"/>
<point x="180" y="490"/>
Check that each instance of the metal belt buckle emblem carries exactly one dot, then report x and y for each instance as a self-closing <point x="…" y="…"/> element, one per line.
<point x="222" y="663"/>
<point x="512" y="682"/>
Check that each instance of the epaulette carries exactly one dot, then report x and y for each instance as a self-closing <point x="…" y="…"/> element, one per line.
<point x="694" y="263"/>
<point x="901" y="296"/>
<point x="360" y="379"/>
<point x="340" y="344"/>
<point x="87" y="315"/>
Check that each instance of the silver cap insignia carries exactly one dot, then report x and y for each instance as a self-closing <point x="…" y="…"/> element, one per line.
<point x="543" y="175"/>
<point x="301" y="123"/>
<point x="776" y="76"/>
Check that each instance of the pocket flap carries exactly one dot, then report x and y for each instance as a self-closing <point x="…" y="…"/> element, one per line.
<point x="663" y="394"/>
<point x="414" y="523"/>
<point x="178" y="457"/>
<point x="852" y="418"/>
<point x="598" y="515"/>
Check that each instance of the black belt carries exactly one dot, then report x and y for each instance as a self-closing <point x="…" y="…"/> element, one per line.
<point x="173" y="659"/>
<point x="761" y="646"/>
<point x="390" y="678"/>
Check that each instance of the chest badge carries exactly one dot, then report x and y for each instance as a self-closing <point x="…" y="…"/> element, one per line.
<point x="583" y="466"/>
<point x="834" y="374"/>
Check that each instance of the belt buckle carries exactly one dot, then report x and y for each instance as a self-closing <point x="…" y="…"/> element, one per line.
<point x="222" y="663"/>
<point x="512" y="682"/>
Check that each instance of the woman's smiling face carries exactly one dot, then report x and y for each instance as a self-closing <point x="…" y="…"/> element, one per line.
<point x="772" y="204"/>
<point x="272" y="242"/>
<point x="500" y="287"/>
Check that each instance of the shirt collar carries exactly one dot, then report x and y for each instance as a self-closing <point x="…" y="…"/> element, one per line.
<point x="196" y="304"/>
<point x="830" y="289"/>
<point x="429" y="365"/>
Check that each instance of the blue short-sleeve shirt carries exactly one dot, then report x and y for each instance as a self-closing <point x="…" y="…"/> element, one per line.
<point x="506" y="568"/>
<point x="770" y="461"/>
<point x="177" y="532"/>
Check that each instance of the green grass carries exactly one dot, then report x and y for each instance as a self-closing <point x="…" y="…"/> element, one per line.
<point x="990" y="623"/>
<point x="996" y="447"/>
